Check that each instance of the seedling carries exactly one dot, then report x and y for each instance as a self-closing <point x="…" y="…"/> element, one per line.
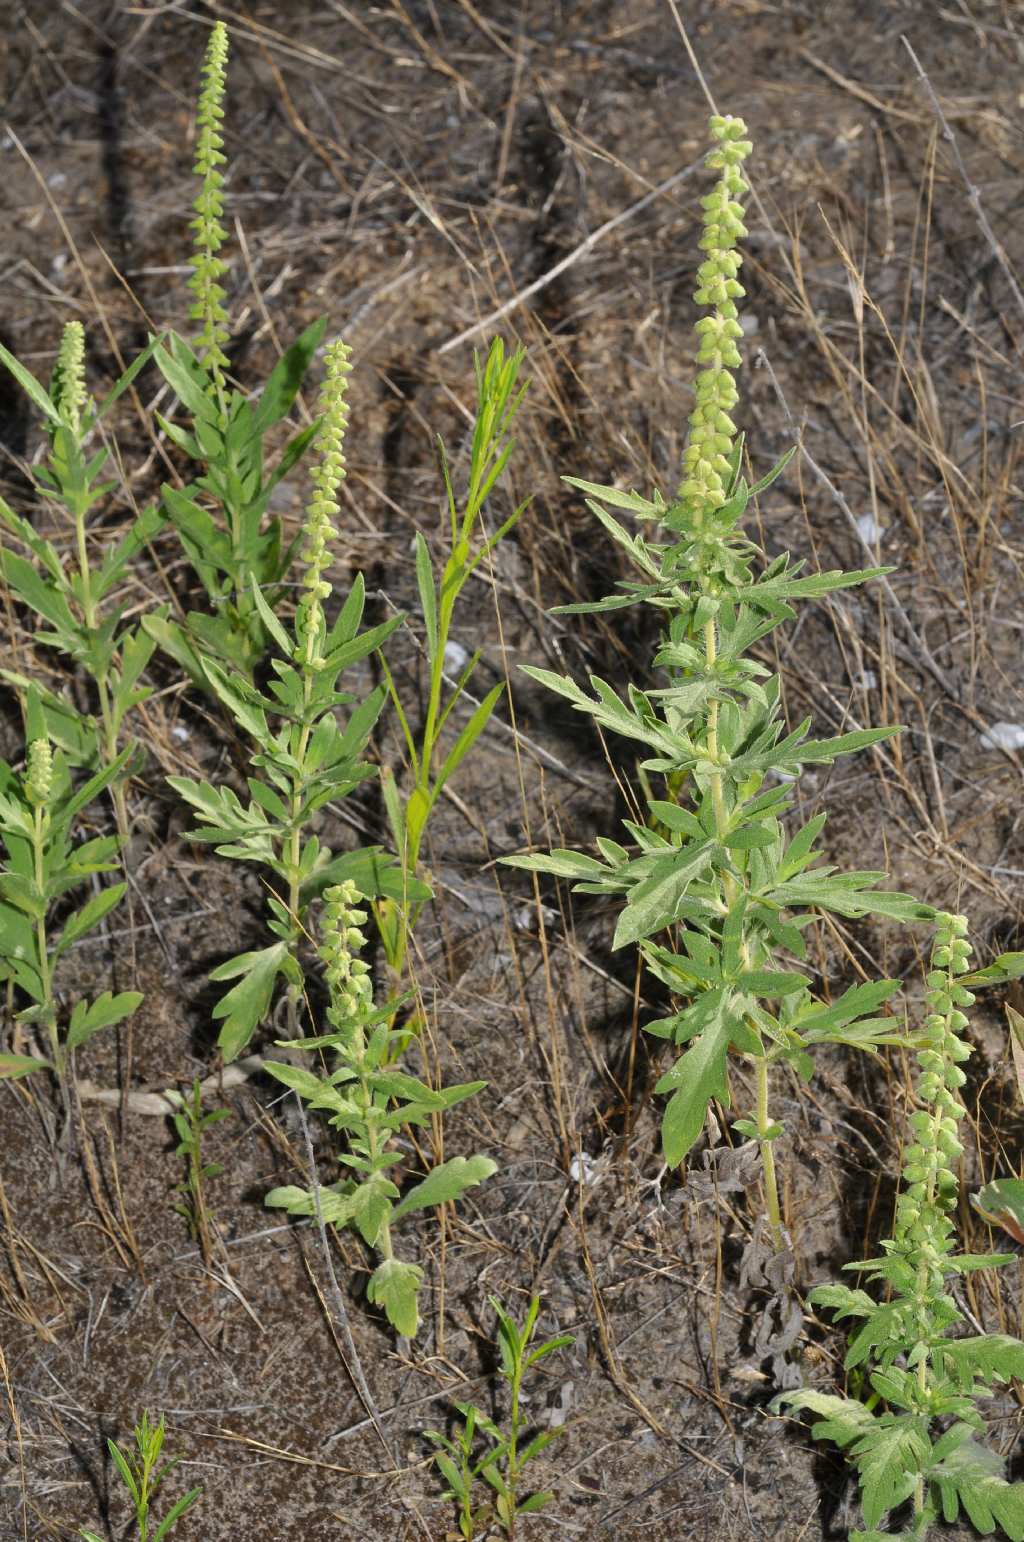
<point x="920" y="1447"/>
<point x="190" y="1122"/>
<point x="142" y="1475"/>
<point x="498" y="400"/>
<point x="226" y="436"/>
<point x="369" y="1100"/>
<point x="503" y="1459"/>
<point x="38" y="809"/>
<point x="302" y="764"/>
<point x="713" y="867"/>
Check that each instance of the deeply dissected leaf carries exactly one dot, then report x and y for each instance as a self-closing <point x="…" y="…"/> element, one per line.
<point x="89" y="1018"/>
<point x="607" y="709"/>
<point x="843" y="1419"/>
<point x="238" y="698"/>
<point x="561" y="864"/>
<point x="988" y="1358"/>
<point x="842" y="1300"/>
<point x="245" y="1005"/>
<point x="972" y="1476"/>
<point x="851" y="895"/>
<point x="654" y="903"/>
<point x="693" y="1081"/>
<point x="644" y="507"/>
<point x="394" y="1286"/>
<point x="889" y="1457"/>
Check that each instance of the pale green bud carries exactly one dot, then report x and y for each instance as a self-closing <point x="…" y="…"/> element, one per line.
<point x="38" y="781"/>
<point x="208" y="232"/>
<point x="326" y="477"/>
<point x="70" y="394"/>
<point x="347" y="976"/>
<point x="712" y="433"/>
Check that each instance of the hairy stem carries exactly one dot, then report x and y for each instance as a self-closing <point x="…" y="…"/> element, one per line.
<point x="40" y="822"/>
<point x="731" y="888"/>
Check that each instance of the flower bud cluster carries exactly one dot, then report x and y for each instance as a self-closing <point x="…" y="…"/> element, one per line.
<point x="38" y="780"/>
<point x="209" y="233"/>
<point x="326" y="477"/>
<point x="70" y="395"/>
<point x="712" y="430"/>
<point x="924" y="1227"/>
<point x="348" y="977"/>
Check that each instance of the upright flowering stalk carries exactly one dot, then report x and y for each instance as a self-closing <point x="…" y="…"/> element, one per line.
<point x="370" y="1101"/>
<point x="69" y="390"/>
<point x="319" y="529"/>
<point x="920" y="1373"/>
<point x="707" y="470"/>
<point x="224" y="432"/>
<point x="712" y="887"/>
<point x="307" y="759"/>
<point x="924" y="1229"/>
<point x="41" y="864"/>
<point x="72" y="592"/>
<point x="208" y="232"/>
<point x="346" y="974"/>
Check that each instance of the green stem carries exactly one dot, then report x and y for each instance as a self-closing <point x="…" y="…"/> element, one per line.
<point x="374" y="1145"/>
<point x="513" y="1443"/>
<point x="761" y="1062"/>
<point x="108" y="738"/>
<point x="39" y="830"/>
<point x="771" y="1186"/>
<point x="294" y="878"/>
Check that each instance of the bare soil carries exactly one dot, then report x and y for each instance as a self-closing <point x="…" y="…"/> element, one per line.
<point x="408" y="168"/>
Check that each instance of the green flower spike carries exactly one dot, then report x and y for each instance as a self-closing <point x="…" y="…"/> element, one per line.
<point x="348" y="977"/>
<point x="319" y="527"/>
<point x="69" y="385"/>
<point x="706" y="469"/>
<point x="210" y="235"/>
<point x="38" y="781"/>
<point x="917" y="1438"/>
<point x="924" y="1232"/>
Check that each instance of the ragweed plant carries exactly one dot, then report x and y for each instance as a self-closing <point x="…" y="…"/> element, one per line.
<point x="305" y="762"/>
<point x="499" y="396"/>
<point x="371" y="1102"/>
<point x="712" y="866"/>
<point x="72" y="598"/>
<point x="918" y="1444"/>
<point x="501" y="1462"/>
<point x="38" y="810"/>
<point x="226" y="435"/>
<point x="141" y="1473"/>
